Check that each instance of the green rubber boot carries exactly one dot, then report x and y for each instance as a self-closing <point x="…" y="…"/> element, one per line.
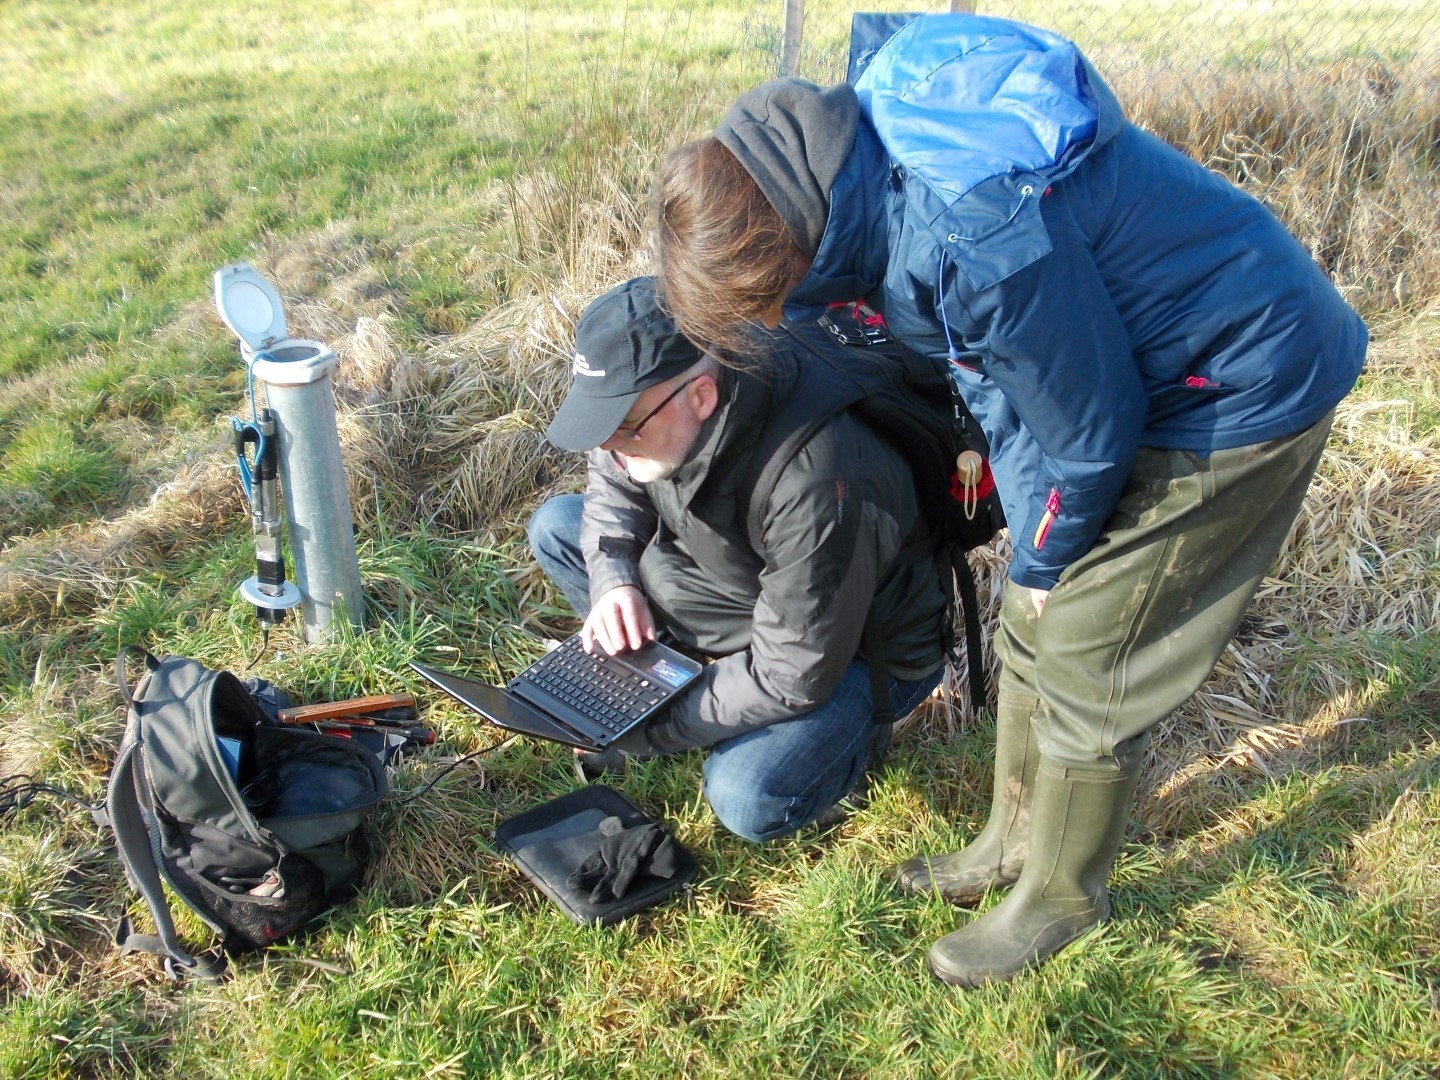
<point x="994" y="858"/>
<point x="1076" y="827"/>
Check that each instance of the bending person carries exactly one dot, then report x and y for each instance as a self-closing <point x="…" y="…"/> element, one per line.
<point x="1154" y="360"/>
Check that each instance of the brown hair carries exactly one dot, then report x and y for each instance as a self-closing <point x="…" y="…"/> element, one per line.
<point x="723" y="254"/>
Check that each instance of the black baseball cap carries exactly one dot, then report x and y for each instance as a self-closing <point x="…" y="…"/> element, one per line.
<point x="624" y="344"/>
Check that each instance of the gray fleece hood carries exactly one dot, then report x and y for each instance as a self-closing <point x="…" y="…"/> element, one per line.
<point x="793" y="138"/>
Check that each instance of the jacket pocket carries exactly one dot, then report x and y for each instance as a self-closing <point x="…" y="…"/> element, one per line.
<point x="1174" y="398"/>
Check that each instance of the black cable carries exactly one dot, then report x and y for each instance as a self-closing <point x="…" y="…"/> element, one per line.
<point x="19" y="791"/>
<point x="490" y="641"/>
<point x="452" y="767"/>
<point x="264" y="644"/>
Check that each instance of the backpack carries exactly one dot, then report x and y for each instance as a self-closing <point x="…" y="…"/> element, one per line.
<point x="257" y="827"/>
<point x="910" y="401"/>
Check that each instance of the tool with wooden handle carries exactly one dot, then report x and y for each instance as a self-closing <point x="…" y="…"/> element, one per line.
<point x="330" y="710"/>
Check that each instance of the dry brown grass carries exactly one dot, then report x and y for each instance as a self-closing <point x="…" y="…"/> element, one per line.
<point x="1345" y="154"/>
<point x="78" y="569"/>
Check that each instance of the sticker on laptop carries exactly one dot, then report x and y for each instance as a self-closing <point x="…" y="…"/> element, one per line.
<point x="667" y="672"/>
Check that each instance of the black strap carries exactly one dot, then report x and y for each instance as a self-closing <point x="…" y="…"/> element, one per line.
<point x="210" y="967"/>
<point x="873" y="642"/>
<point x="970" y="612"/>
<point x="811" y="404"/>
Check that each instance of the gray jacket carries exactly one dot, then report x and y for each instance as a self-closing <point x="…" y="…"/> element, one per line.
<point x="783" y="627"/>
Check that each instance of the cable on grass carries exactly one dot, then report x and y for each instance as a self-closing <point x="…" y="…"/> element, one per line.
<point x="452" y="767"/>
<point x="20" y="790"/>
<point x="264" y="644"/>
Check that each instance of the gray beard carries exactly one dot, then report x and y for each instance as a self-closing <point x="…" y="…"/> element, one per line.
<point x="646" y="471"/>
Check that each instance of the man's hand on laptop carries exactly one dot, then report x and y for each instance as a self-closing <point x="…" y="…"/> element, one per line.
<point x="619" y="621"/>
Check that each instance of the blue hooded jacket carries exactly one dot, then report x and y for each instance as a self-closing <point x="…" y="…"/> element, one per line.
<point x="1093" y="289"/>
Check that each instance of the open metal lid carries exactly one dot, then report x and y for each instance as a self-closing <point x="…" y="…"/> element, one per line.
<point x="250" y="306"/>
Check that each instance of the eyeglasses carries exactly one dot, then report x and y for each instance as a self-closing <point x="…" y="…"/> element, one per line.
<point x="632" y="432"/>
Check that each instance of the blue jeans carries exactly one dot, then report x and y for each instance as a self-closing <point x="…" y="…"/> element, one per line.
<point x="776" y="779"/>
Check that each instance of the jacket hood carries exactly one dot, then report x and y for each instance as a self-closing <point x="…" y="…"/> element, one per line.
<point x="973" y="117"/>
<point x="851" y="258"/>
<point x="964" y="98"/>
<point x="793" y="138"/>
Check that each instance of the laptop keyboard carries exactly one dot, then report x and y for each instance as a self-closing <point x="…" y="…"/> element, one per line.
<point x="595" y="685"/>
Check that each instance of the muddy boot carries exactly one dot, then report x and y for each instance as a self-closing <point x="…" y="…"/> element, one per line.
<point x="1076" y="826"/>
<point x="994" y="858"/>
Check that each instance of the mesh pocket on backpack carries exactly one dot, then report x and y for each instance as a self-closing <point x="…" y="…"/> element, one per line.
<point x="296" y="891"/>
<point x="251" y="893"/>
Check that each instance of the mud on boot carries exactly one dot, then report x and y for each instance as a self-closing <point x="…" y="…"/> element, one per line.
<point x="995" y="857"/>
<point x="1076" y="828"/>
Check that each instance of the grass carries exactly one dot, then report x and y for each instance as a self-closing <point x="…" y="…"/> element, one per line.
<point x="437" y="192"/>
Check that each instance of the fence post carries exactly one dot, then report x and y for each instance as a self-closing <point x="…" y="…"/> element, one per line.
<point x="967" y="6"/>
<point x="794" y="26"/>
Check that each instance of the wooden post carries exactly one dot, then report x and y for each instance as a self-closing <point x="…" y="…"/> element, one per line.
<point x="967" y="6"/>
<point x="794" y="28"/>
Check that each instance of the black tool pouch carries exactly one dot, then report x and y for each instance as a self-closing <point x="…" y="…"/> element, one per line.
<point x="558" y="845"/>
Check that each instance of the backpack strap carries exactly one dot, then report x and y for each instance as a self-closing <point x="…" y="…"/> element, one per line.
<point x="873" y="642"/>
<point x="137" y="847"/>
<point x="121" y="681"/>
<point x="142" y="862"/>
<point x="810" y="404"/>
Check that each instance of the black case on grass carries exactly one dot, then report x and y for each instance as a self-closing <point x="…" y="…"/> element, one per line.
<point x="551" y="840"/>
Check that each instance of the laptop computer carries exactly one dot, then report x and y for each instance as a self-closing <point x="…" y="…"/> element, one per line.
<point x="573" y="697"/>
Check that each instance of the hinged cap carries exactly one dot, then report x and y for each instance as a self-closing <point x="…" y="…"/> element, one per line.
<point x="250" y="306"/>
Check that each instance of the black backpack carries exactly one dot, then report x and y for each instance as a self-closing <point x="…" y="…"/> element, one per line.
<point x="849" y="362"/>
<point x="256" y="826"/>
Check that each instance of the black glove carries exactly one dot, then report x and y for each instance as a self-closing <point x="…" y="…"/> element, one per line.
<point x="624" y="854"/>
<point x="592" y="763"/>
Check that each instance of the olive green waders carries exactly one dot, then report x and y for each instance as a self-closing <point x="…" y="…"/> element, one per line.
<point x="994" y="858"/>
<point x="1134" y="627"/>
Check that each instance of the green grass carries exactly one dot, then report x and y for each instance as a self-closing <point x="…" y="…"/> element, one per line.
<point x="441" y="172"/>
<point x="142" y="145"/>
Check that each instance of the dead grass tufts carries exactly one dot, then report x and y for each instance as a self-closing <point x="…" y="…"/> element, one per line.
<point x="303" y="266"/>
<point x="363" y="294"/>
<point x="1345" y="154"/>
<point x="459" y="428"/>
<point x="77" y="570"/>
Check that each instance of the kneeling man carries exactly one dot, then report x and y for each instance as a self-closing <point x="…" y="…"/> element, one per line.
<point x="657" y="546"/>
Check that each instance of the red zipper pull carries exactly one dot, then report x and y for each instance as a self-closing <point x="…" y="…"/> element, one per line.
<point x="1052" y="509"/>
